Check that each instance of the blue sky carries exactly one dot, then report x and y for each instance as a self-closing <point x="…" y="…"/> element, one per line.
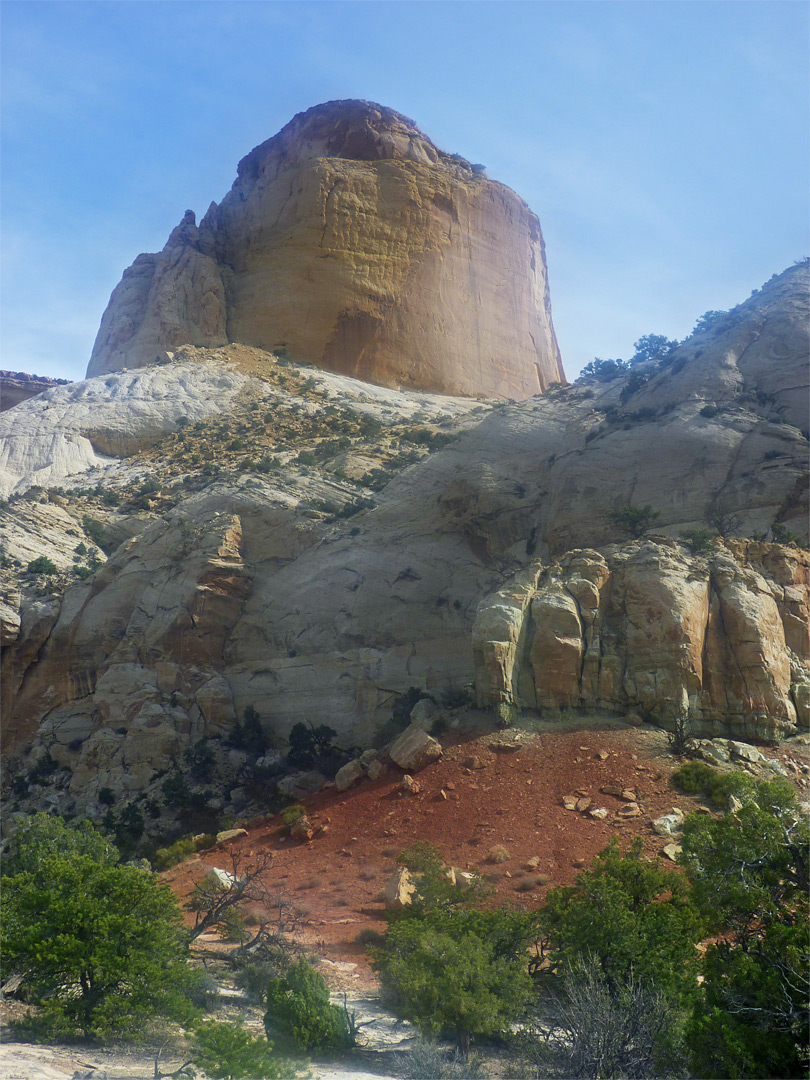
<point x="663" y="143"/>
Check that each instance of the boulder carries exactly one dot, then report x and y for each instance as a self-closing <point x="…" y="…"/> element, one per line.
<point x="377" y="770"/>
<point x="424" y="714"/>
<point x="230" y="834"/>
<point x="348" y="775"/>
<point x="301" y="784"/>
<point x="220" y="879"/>
<point x="669" y="824"/>
<point x="745" y="752"/>
<point x="414" y="749"/>
<point x="399" y="890"/>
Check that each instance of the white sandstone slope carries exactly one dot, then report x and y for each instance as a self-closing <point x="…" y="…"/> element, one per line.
<point x="65" y="431"/>
<point x="266" y="584"/>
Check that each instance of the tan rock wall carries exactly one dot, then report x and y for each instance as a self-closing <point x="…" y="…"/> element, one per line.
<point x="645" y="626"/>
<point x="352" y="242"/>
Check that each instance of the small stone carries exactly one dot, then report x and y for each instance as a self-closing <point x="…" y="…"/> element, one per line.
<point x="569" y="802"/>
<point x="474" y="762"/>
<point x="409" y="786"/>
<point x="602" y="755"/>
<point x="302" y="830"/>
<point x="628" y="795"/>
<point x="612" y="789"/>
<point x="579" y="862"/>
<point x="583" y="805"/>
<point x="599" y="813"/>
<point x="630" y="809"/>
<point x="532" y="863"/>
<point x="672" y="851"/>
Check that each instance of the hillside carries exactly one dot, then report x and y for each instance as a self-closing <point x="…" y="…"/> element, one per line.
<point x="231" y="530"/>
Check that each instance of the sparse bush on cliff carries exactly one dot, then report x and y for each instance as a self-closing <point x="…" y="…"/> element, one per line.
<point x="249" y="735"/>
<point x="698" y="541"/>
<point x="637" y="520"/>
<point x="308" y="744"/>
<point x="42" y="565"/>
<point x="652" y="347"/>
<point x="604" y="370"/>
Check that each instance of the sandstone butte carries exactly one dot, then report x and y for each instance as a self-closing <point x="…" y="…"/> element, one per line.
<point x="350" y="241"/>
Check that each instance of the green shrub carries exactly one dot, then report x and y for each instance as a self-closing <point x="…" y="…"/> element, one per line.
<point x="227" y="1052"/>
<point x="749" y="874"/>
<point x="42" y="565"/>
<point x="458" y="972"/>
<point x="299" y="1014"/>
<point x="698" y="540"/>
<point x="291" y="815"/>
<point x="698" y="778"/>
<point x="637" y="520"/>
<point x="634" y="917"/>
<point x="102" y="945"/>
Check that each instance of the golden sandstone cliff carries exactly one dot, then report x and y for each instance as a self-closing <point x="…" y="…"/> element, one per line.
<point x="350" y="241"/>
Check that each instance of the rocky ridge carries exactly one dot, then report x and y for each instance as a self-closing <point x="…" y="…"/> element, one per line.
<point x="17" y="386"/>
<point x="268" y="584"/>
<point x="352" y="242"/>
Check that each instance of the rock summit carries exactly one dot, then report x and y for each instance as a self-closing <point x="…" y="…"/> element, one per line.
<point x="350" y="241"/>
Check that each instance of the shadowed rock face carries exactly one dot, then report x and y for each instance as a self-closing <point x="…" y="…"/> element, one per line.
<point x="351" y="241"/>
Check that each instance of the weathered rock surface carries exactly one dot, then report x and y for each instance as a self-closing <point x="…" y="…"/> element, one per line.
<point x="492" y="558"/>
<point x="69" y="429"/>
<point x="720" y="638"/>
<point x="399" y="890"/>
<point x="352" y="242"/>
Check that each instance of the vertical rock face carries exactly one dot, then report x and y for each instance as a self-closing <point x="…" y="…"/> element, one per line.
<point x="720" y="638"/>
<point x="352" y="242"/>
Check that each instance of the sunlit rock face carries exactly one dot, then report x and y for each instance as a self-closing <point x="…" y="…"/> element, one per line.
<point x="350" y="241"/>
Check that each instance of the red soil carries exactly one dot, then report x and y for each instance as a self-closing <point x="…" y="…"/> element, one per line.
<point x="512" y="798"/>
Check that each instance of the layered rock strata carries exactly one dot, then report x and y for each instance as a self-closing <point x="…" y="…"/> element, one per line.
<point x="350" y="241"/>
